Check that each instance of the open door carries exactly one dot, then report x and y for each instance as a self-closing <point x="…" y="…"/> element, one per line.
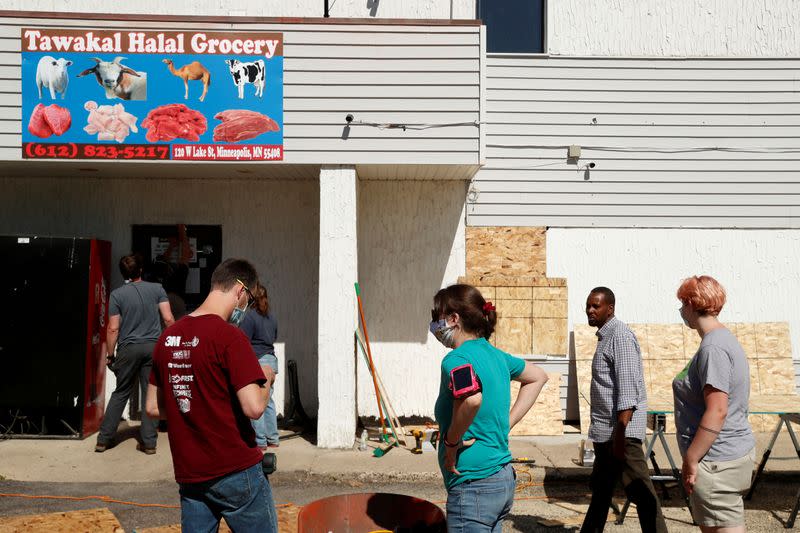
<point x="180" y="257"/>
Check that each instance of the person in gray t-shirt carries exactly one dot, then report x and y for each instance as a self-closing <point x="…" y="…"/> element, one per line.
<point x="711" y="407"/>
<point x="134" y="325"/>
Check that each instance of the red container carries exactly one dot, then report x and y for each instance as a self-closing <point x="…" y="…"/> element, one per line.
<point x="371" y="512"/>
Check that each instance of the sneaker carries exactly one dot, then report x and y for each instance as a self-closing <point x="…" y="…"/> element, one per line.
<point x="148" y="451"/>
<point x="100" y="447"/>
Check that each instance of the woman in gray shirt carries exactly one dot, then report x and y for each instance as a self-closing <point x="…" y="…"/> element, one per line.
<point x="711" y="407"/>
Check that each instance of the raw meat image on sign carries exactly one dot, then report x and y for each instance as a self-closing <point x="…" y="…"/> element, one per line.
<point x="144" y="94"/>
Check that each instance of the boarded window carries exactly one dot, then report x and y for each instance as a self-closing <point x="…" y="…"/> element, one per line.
<point x="513" y="26"/>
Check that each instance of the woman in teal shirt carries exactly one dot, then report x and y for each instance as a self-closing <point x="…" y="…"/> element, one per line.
<point x="474" y="425"/>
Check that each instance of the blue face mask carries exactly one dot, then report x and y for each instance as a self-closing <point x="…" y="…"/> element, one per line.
<point x="443" y="332"/>
<point x="237" y="316"/>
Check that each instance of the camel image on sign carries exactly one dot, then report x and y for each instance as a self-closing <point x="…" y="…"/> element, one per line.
<point x="189" y="72"/>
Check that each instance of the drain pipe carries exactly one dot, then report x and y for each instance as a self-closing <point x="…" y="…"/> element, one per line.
<point x="327" y="13"/>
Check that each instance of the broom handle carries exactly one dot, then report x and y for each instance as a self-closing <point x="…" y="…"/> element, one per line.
<point x="369" y="356"/>
<point x="391" y="416"/>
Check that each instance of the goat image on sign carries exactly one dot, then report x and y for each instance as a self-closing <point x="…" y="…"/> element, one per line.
<point x="244" y="73"/>
<point x="51" y="73"/>
<point x="192" y="71"/>
<point x="118" y="80"/>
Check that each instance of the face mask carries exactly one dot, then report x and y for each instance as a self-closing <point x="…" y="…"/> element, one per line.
<point x="443" y="332"/>
<point x="686" y="322"/>
<point x="237" y="316"/>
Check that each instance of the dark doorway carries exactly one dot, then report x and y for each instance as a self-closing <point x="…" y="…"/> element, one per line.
<point x="180" y="257"/>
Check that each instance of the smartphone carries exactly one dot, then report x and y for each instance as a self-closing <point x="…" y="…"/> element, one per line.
<point x="463" y="381"/>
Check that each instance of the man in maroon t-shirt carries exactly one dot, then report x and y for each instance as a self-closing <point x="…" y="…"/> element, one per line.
<point x="207" y="383"/>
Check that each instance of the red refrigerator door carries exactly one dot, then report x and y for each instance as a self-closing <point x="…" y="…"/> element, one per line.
<point x="97" y="314"/>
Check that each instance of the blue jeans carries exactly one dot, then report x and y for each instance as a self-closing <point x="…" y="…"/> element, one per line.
<point x="481" y="504"/>
<point x="266" y="427"/>
<point x="243" y="498"/>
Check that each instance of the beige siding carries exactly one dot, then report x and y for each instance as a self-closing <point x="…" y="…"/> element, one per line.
<point x="693" y="142"/>
<point x="379" y="73"/>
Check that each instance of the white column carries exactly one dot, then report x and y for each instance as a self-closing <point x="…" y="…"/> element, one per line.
<point x="338" y="308"/>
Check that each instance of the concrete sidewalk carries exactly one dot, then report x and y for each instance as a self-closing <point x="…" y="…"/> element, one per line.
<point x="76" y="461"/>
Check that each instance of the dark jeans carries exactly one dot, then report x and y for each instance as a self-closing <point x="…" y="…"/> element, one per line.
<point x="635" y="476"/>
<point x="131" y="360"/>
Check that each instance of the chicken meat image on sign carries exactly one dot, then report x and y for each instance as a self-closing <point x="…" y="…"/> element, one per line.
<point x="207" y="96"/>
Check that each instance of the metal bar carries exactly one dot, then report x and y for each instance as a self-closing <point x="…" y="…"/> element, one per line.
<point x="764" y="459"/>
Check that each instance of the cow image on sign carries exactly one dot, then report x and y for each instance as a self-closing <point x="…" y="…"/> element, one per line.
<point x="244" y="73"/>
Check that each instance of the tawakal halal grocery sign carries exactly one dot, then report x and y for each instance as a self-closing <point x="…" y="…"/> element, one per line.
<point x="211" y="96"/>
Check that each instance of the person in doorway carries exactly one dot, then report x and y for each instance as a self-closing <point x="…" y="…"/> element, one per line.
<point x="134" y="325"/>
<point x="618" y="417"/>
<point x="261" y="329"/>
<point x="474" y="410"/>
<point x="711" y="398"/>
<point x="208" y="385"/>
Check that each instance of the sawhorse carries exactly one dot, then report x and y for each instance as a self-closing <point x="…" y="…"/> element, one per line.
<point x="658" y="425"/>
<point x="785" y="418"/>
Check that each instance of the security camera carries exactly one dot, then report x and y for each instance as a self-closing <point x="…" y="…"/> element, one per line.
<point x="591" y="165"/>
<point x="348" y="119"/>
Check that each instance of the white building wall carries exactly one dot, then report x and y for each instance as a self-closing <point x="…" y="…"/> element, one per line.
<point x="411" y="244"/>
<point x="683" y="28"/>
<point x="644" y="268"/>
<point x="391" y="9"/>
<point x="673" y="143"/>
<point x="273" y="223"/>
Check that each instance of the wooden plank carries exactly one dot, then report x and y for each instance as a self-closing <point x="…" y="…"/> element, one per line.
<point x="545" y="417"/>
<point x="513" y="335"/>
<point x="506" y="251"/>
<point x="549" y="335"/>
<point x="63" y="522"/>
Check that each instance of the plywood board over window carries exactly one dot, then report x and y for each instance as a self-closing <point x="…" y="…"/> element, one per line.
<point x="668" y="348"/>
<point x="545" y="417"/>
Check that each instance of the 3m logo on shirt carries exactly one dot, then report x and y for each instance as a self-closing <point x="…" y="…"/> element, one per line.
<point x="172" y="340"/>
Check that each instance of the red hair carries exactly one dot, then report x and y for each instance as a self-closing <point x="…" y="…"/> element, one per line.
<point x="704" y="293"/>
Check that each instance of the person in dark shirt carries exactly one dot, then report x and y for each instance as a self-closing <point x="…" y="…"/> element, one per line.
<point x="261" y="328"/>
<point x="133" y="328"/>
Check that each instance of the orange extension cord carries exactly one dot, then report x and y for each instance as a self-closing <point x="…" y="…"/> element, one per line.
<point x="521" y="485"/>
<point x="105" y="499"/>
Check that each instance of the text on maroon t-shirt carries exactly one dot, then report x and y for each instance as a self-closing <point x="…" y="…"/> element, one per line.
<point x="199" y="363"/>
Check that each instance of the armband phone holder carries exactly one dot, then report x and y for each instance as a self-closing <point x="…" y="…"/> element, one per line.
<point x="464" y="382"/>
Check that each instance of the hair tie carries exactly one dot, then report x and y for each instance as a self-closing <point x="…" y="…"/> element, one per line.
<point x="488" y="306"/>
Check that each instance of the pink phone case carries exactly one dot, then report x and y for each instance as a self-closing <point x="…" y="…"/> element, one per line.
<point x="473" y="387"/>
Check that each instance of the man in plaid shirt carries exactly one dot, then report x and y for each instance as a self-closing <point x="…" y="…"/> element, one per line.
<point x="618" y="417"/>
